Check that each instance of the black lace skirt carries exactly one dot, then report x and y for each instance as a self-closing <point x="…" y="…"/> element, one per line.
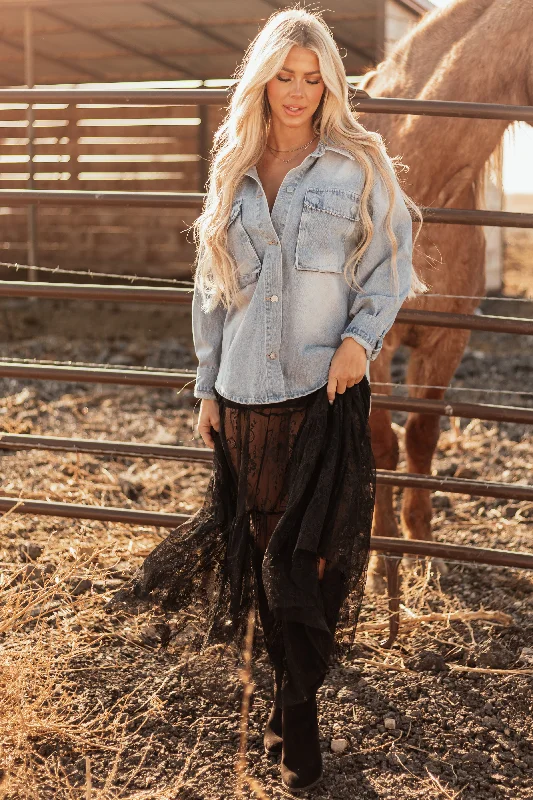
<point x="295" y="482"/>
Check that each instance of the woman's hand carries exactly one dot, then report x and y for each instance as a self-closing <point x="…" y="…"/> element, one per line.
<point x="209" y="416"/>
<point x="347" y="367"/>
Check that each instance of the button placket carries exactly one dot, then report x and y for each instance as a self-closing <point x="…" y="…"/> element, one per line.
<point x="273" y="234"/>
<point x="273" y="324"/>
<point x="280" y="212"/>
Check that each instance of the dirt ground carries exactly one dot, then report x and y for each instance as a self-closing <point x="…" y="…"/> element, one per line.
<point x="98" y="705"/>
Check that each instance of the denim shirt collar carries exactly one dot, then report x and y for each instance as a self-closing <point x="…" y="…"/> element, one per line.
<point x="323" y="146"/>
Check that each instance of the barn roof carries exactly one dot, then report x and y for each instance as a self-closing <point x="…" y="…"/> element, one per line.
<point x="76" y="41"/>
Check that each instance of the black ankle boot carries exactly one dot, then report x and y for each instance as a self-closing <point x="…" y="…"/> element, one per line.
<point x="301" y="760"/>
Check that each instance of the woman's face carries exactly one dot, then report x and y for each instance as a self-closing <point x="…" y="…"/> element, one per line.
<point x="294" y="93"/>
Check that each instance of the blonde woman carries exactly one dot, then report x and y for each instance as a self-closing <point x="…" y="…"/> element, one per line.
<point x="304" y="259"/>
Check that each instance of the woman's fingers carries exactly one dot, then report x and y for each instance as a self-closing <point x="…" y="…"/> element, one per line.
<point x="339" y="385"/>
<point x="332" y="388"/>
<point x="208" y="419"/>
<point x="205" y="432"/>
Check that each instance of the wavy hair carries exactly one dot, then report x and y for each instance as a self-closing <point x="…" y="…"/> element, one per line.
<point x="240" y="141"/>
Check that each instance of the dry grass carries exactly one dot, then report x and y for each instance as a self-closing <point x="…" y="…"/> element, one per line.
<point x="39" y="698"/>
<point x="43" y="729"/>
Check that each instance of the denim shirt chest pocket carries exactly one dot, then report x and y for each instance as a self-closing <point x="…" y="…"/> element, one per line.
<point x="328" y="221"/>
<point x="241" y="247"/>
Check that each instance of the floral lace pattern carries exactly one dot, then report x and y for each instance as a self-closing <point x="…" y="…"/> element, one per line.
<point x="292" y="483"/>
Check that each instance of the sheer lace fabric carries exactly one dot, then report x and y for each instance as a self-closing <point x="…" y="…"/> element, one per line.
<point x="292" y="483"/>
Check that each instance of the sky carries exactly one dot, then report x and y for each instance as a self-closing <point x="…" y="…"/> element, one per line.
<point x="518" y="152"/>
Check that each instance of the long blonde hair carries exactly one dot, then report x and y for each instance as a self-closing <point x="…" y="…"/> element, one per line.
<point x="240" y="140"/>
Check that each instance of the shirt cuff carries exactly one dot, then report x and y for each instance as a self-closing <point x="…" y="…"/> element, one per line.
<point x="369" y="347"/>
<point x="205" y="382"/>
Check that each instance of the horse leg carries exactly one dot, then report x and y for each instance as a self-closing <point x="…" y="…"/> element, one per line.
<point x="422" y="431"/>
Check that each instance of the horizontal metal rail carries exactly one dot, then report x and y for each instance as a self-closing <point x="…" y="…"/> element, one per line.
<point x="68" y="197"/>
<point x="373" y="105"/>
<point x="176" y="380"/>
<point x="88" y="291"/>
<point x="101" y="513"/>
<point x="452" y="552"/>
<point x="450" y="408"/>
<point x="472" y="322"/>
<point x="479" y="555"/>
<point x="30" y="441"/>
<point x="142" y="294"/>
<point x="24" y="441"/>
<point x="475" y="488"/>
<point x="124" y="377"/>
<point x="464" y="216"/>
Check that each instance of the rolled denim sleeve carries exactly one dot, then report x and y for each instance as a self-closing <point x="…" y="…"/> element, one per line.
<point x="373" y="311"/>
<point x="207" y="329"/>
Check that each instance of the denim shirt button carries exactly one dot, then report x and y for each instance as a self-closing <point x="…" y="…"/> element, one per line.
<point x="274" y="298"/>
<point x="290" y="189"/>
<point x="272" y="355"/>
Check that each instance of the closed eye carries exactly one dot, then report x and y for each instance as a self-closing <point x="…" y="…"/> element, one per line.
<point x="286" y="80"/>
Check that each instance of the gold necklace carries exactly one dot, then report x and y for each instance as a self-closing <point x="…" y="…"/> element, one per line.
<point x="292" y="149"/>
<point x="288" y="160"/>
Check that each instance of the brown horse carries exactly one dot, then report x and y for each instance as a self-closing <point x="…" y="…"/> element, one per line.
<point x="473" y="50"/>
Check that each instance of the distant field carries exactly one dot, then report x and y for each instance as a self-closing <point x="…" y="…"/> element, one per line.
<point x="518" y="250"/>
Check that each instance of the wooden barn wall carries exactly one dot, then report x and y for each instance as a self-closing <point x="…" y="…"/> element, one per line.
<point x="103" y="148"/>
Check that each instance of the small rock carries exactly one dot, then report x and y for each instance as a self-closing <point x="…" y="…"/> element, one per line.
<point x="390" y="723"/>
<point x="329" y="693"/>
<point x="441" y="500"/>
<point x="156" y="633"/>
<point x="33" y="573"/>
<point x="345" y="695"/>
<point x="494" y="655"/>
<point x="131" y="487"/>
<point x="109" y="584"/>
<point x="465" y="472"/>
<point x="81" y="587"/>
<point x="30" y="551"/>
<point x="427" y="661"/>
<point x="526" y="655"/>
<point x="339" y="745"/>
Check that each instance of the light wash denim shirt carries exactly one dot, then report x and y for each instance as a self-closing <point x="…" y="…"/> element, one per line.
<point x="299" y="306"/>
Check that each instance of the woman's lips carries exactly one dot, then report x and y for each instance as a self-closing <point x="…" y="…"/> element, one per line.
<point x="294" y="111"/>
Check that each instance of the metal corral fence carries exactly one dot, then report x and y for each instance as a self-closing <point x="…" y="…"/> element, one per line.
<point x="40" y="370"/>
